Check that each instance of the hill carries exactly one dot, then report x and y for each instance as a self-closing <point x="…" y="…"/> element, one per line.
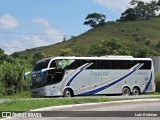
<point x="134" y="35"/>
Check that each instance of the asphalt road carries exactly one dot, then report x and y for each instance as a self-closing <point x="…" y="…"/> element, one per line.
<point x="117" y="107"/>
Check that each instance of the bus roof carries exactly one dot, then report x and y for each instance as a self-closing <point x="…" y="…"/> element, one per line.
<point x="102" y="58"/>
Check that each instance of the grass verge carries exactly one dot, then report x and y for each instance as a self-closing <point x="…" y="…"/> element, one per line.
<point x="24" y="94"/>
<point x="152" y="93"/>
<point x="26" y="105"/>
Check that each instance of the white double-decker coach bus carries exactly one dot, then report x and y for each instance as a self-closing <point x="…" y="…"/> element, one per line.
<point x="73" y="76"/>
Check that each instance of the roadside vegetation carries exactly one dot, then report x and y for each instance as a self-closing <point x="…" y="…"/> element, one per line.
<point x="157" y="80"/>
<point x="152" y="93"/>
<point x="11" y="75"/>
<point x="23" y="94"/>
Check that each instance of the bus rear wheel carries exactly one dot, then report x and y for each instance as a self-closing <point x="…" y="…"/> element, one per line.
<point x="135" y="91"/>
<point x="126" y="91"/>
<point x="67" y="93"/>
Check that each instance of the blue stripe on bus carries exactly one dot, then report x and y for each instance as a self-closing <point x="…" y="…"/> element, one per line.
<point x="109" y="85"/>
<point x="149" y="82"/>
<point x="83" y="68"/>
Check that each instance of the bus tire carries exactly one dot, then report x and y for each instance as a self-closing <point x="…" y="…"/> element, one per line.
<point x="136" y="91"/>
<point x="68" y="93"/>
<point x="126" y="91"/>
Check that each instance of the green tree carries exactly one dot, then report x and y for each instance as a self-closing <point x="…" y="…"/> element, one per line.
<point x="1" y="52"/>
<point x="38" y="56"/>
<point x="15" y="54"/>
<point x="11" y="77"/>
<point x="152" y="8"/>
<point x="95" y="19"/>
<point x="140" y="11"/>
<point x="66" y="52"/>
<point x="146" y="10"/>
<point x="133" y="2"/>
<point x="145" y="51"/>
<point x="3" y="56"/>
<point x="128" y="15"/>
<point x="109" y="47"/>
<point x="11" y="74"/>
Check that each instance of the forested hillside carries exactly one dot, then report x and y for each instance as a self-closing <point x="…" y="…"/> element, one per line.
<point x="135" y="36"/>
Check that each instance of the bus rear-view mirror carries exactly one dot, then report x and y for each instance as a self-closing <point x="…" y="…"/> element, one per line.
<point x="25" y="75"/>
<point x="44" y="70"/>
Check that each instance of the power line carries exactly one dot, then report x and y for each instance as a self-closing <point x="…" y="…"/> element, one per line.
<point x="4" y="32"/>
<point x="12" y="47"/>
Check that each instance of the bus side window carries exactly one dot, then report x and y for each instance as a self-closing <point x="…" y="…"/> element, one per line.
<point x="132" y="63"/>
<point x="76" y="64"/>
<point x="53" y="64"/>
<point x="116" y="64"/>
<point x="94" y="65"/>
<point x="120" y="64"/>
<point x="102" y="64"/>
<point x="147" y="65"/>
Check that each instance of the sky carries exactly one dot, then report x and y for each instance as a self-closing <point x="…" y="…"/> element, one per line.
<point x="26" y="24"/>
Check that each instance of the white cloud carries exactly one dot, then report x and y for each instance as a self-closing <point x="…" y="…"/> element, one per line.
<point x="11" y="46"/>
<point x="53" y="34"/>
<point x="8" y="22"/>
<point x="46" y="35"/>
<point x="22" y="43"/>
<point x="115" y="5"/>
<point x="42" y="21"/>
<point x="34" y="41"/>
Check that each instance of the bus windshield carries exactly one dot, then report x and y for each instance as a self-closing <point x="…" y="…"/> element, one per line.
<point x="52" y="76"/>
<point x="41" y="65"/>
<point x="62" y="64"/>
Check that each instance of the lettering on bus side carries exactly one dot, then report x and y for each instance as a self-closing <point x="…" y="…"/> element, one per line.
<point x="100" y="73"/>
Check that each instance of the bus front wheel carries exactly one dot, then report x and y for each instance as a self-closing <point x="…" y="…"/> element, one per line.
<point x="67" y="93"/>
